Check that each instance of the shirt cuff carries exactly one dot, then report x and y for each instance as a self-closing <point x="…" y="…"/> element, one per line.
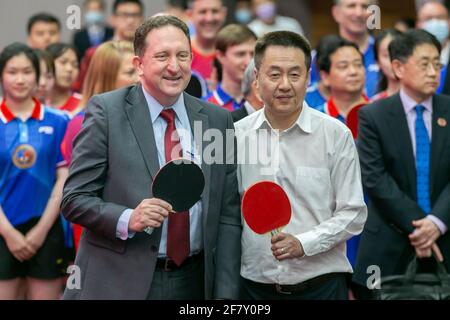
<point x="438" y="222"/>
<point x="122" y="226"/>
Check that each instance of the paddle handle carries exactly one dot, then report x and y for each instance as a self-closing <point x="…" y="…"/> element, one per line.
<point x="275" y="231"/>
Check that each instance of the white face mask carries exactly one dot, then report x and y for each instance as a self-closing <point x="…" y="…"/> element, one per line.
<point x="438" y="28"/>
<point x="94" y="18"/>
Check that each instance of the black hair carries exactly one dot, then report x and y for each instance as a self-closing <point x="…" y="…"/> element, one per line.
<point x="58" y="49"/>
<point x="42" y="17"/>
<point x="330" y="44"/>
<point x="47" y="58"/>
<point x="16" y="49"/>
<point x="390" y="32"/>
<point x="402" y="47"/>
<point x="284" y="39"/>
<point x="117" y="3"/>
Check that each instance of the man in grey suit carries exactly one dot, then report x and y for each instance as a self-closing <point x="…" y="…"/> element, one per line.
<point x="117" y="154"/>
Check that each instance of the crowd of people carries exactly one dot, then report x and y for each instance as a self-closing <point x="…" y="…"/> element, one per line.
<point x="362" y="129"/>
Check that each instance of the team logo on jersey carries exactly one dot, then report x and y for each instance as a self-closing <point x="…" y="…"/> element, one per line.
<point x="24" y="156"/>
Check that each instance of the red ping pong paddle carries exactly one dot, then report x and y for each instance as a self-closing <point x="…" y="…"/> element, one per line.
<point x="352" y="120"/>
<point x="266" y="207"/>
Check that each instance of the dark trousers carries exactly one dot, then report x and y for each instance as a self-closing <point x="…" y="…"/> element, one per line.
<point x="184" y="283"/>
<point x="334" y="288"/>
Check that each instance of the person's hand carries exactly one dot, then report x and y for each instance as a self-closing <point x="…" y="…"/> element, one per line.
<point x="426" y="253"/>
<point x="36" y="237"/>
<point x="149" y="213"/>
<point x="19" y="247"/>
<point x="425" y="234"/>
<point x="286" y="246"/>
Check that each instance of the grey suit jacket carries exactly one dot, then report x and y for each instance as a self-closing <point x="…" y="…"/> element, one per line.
<point x="114" y="161"/>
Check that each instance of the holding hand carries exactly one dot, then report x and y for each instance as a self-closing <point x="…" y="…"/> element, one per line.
<point x="149" y="213"/>
<point x="286" y="246"/>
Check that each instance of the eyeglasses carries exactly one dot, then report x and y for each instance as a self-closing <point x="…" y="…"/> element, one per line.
<point x="133" y="15"/>
<point x="423" y="66"/>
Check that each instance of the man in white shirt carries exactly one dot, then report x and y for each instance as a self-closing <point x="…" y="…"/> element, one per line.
<point x="315" y="161"/>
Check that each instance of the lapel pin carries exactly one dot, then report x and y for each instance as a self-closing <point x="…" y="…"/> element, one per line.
<point x="442" y="122"/>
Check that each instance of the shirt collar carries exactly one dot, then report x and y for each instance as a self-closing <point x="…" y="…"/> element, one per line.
<point x="6" y="115"/>
<point x="155" y="107"/>
<point x="332" y="110"/>
<point x="409" y="103"/>
<point x="303" y="121"/>
<point x="222" y="97"/>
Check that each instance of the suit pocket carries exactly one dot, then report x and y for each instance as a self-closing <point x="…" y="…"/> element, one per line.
<point x="102" y="242"/>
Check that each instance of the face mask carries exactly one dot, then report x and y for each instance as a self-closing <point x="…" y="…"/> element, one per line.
<point x="243" y="16"/>
<point x="94" y="18"/>
<point x="266" y="11"/>
<point x="438" y="28"/>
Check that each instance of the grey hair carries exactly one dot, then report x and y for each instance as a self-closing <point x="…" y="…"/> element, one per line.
<point x="249" y="77"/>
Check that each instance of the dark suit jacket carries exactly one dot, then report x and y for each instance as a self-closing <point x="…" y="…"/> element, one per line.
<point x="114" y="161"/>
<point x="239" y="114"/>
<point x="389" y="178"/>
<point x="82" y="42"/>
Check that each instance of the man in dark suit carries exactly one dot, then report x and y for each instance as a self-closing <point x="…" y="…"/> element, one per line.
<point x="96" y="31"/>
<point x="124" y="141"/>
<point x="251" y="101"/>
<point x="404" y="149"/>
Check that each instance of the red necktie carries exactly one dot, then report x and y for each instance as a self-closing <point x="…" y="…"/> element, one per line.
<point x="178" y="247"/>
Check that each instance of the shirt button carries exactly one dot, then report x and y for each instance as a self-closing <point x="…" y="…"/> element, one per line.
<point x="153" y="248"/>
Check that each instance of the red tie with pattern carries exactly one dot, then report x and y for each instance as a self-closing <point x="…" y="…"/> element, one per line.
<point x="178" y="247"/>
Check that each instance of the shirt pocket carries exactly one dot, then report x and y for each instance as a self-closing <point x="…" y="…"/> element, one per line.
<point x="313" y="187"/>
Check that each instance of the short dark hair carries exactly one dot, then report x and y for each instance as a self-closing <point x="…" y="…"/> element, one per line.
<point x="284" y="39"/>
<point x="332" y="43"/>
<point x="233" y="34"/>
<point x="47" y="58"/>
<point x="390" y="32"/>
<point x="117" y="3"/>
<point x="156" y="22"/>
<point x="15" y="49"/>
<point x="58" y="49"/>
<point x="403" y="46"/>
<point x="42" y="17"/>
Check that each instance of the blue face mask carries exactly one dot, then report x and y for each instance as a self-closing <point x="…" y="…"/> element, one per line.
<point x="94" y="18"/>
<point x="243" y="16"/>
<point x="438" y="28"/>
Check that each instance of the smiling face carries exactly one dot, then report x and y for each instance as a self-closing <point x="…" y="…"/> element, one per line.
<point x="282" y="79"/>
<point x="165" y="67"/>
<point x="19" y="78"/>
<point x="352" y="15"/>
<point x="208" y="17"/>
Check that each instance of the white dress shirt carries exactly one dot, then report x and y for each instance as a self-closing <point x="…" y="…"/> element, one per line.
<point x="189" y="152"/>
<point x="316" y="163"/>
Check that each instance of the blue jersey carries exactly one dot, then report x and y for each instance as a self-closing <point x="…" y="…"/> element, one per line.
<point x="313" y="97"/>
<point x="30" y="153"/>
<point x="371" y="67"/>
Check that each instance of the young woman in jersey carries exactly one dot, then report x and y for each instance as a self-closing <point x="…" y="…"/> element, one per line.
<point x="32" y="175"/>
<point x="66" y="72"/>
